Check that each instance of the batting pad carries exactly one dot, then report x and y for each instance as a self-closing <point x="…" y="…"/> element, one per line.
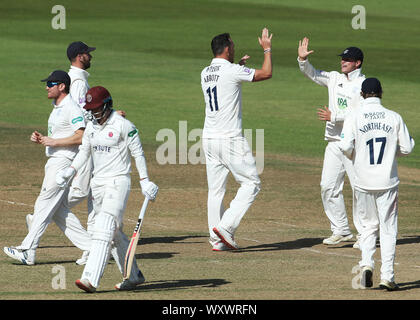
<point x="103" y="234"/>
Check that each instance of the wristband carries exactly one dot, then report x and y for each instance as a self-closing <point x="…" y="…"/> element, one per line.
<point x="267" y="50"/>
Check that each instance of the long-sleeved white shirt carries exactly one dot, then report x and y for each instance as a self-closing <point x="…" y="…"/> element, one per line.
<point x="343" y="94"/>
<point x="79" y="85"/>
<point x="111" y="145"/>
<point x="373" y="137"/>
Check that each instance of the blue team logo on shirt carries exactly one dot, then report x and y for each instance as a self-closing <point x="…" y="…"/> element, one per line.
<point x="247" y="70"/>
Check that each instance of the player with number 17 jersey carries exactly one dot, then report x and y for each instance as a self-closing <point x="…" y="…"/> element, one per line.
<point x="221" y="84"/>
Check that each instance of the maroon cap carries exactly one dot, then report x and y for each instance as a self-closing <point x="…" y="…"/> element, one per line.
<point x="96" y="97"/>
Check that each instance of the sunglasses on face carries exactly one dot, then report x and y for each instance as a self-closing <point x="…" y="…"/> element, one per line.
<point x="51" y="84"/>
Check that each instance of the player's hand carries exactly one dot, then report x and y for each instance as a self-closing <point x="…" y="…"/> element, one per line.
<point x="36" y="137"/>
<point x="324" y="114"/>
<point x="121" y="113"/>
<point x="265" y="40"/>
<point x="303" y="52"/>
<point x="243" y="60"/>
<point x="149" y="189"/>
<point x="63" y="177"/>
<point x="47" y="141"/>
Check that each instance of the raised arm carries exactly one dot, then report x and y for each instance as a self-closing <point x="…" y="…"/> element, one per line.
<point x="320" y="77"/>
<point x="267" y="68"/>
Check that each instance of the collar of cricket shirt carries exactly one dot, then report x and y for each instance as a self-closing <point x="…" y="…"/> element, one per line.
<point x="219" y="61"/>
<point x="354" y="74"/>
<point x="82" y="72"/>
<point x="372" y="100"/>
<point x="62" y="102"/>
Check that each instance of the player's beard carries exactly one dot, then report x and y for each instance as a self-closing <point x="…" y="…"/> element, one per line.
<point x="86" y="63"/>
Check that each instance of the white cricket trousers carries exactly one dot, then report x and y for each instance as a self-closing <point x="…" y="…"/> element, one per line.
<point x="80" y="190"/>
<point x="51" y="205"/>
<point x="378" y="211"/>
<point x="335" y="166"/>
<point x="222" y="156"/>
<point x="110" y="198"/>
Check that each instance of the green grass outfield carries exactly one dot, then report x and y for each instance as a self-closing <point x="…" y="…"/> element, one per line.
<point x="150" y="55"/>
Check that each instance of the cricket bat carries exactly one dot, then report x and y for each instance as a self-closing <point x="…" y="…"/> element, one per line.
<point x="131" y="250"/>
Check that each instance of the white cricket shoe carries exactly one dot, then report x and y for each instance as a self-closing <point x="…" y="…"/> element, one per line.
<point x="24" y="256"/>
<point x="388" y="285"/>
<point x="85" y="285"/>
<point x="226" y="237"/>
<point x="366" y="280"/>
<point x="82" y="261"/>
<point x="356" y="245"/>
<point x="29" y="218"/>
<point x="128" y="285"/>
<point x="337" y="238"/>
<point x="220" y="246"/>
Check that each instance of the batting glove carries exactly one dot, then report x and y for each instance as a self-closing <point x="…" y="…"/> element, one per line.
<point x="149" y="189"/>
<point x="64" y="176"/>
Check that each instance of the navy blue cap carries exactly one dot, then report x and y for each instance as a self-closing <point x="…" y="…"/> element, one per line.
<point x="59" y="76"/>
<point x="76" y="48"/>
<point x="352" y="53"/>
<point x="371" y="85"/>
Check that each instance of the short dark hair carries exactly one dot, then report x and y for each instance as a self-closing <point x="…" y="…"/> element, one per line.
<point x="67" y="89"/>
<point x="220" y="42"/>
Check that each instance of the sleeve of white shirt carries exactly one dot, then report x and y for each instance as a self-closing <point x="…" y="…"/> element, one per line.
<point x="318" y="76"/>
<point x="405" y="141"/>
<point x="76" y="118"/>
<point x="84" y="151"/>
<point x="78" y="92"/>
<point x="243" y="73"/>
<point x="136" y="149"/>
<point x="346" y="144"/>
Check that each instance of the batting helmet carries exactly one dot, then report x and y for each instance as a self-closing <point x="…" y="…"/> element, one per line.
<point x="96" y="97"/>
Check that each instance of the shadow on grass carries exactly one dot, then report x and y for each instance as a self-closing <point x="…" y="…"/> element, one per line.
<point x="183" y="284"/>
<point x="409" y="285"/>
<point x="405" y="240"/>
<point x="155" y="255"/>
<point x="287" y="245"/>
<point x="152" y="240"/>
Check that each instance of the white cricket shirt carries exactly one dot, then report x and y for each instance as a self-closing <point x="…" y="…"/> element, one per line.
<point x="222" y="89"/>
<point x="79" y="85"/>
<point x="372" y="137"/>
<point x="64" y="120"/>
<point x="111" y="145"/>
<point x="343" y="94"/>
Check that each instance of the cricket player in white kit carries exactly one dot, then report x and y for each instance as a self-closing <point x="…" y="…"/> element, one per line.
<point x="373" y="137"/>
<point x="343" y="96"/>
<point x="109" y="140"/>
<point x="79" y="55"/>
<point x="223" y="143"/>
<point x="65" y="130"/>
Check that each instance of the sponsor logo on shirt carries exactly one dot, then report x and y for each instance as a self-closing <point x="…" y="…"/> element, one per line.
<point x="132" y="133"/>
<point x="247" y="70"/>
<point x="99" y="148"/>
<point x="342" y="103"/>
<point x="78" y="119"/>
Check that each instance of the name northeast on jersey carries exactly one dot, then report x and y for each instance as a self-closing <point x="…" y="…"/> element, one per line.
<point x="376" y="126"/>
